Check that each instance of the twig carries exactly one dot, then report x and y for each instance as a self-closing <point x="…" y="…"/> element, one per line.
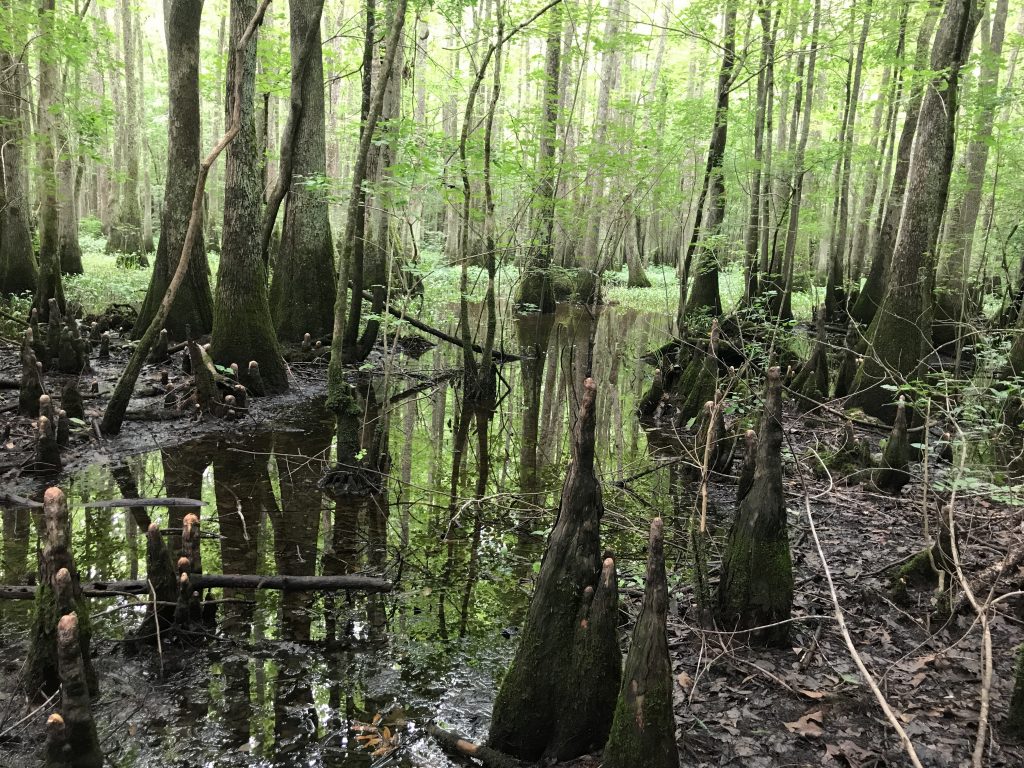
<point x="890" y="715"/>
<point x="156" y="623"/>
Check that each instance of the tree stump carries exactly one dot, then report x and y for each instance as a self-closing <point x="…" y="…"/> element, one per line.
<point x="644" y="726"/>
<point x="756" y="585"/>
<point x="652" y="397"/>
<point x="558" y="696"/>
<point x="55" y="598"/>
<point x="82" y="743"/>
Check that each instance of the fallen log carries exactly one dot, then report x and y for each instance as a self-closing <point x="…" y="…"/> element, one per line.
<point x="212" y="580"/>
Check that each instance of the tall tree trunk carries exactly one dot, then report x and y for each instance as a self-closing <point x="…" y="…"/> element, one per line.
<point x="952" y="305"/>
<point x="18" y="271"/>
<point x="242" y="327"/>
<point x="302" y="291"/>
<point x="194" y="304"/>
<point x="835" y="292"/>
<point x="704" y="296"/>
<point x="902" y="327"/>
<point x="880" y="165"/>
<point x="781" y="301"/>
<point x="593" y="256"/>
<point x="871" y="294"/>
<point x="48" y="283"/>
<point x="371" y="254"/>
<point x="126" y="230"/>
<point x="68" y="248"/>
<point x="758" y="193"/>
<point x="535" y="288"/>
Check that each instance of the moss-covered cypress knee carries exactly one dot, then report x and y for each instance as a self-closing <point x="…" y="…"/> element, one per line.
<point x="643" y="729"/>
<point x="54" y="599"/>
<point x="756" y="585"/>
<point x="559" y="693"/>
<point x="894" y="472"/>
<point x="31" y="388"/>
<point x="848" y="362"/>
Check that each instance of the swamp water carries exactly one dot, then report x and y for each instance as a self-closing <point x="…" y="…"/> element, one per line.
<point x="283" y="677"/>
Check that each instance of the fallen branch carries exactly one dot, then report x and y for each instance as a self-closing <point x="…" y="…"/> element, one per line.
<point x="212" y="580"/>
<point x="453" y="743"/>
<point x="169" y="501"/>
<point x="506" y="357"/>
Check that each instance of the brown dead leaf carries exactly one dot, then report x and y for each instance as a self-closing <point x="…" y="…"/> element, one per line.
<point x="684" y="680"/>
<point x="808" y="726"/>
<point x="813" y="694"/>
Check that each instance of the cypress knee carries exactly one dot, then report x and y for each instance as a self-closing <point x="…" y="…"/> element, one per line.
<point x="811" y="382"/>
<point x="83" y="744"/>
<point x="558" y="696"/>
<point x="644" y="727"/>
<point x="848" y="362"/>
<point x="31" y="378"/>
<point x="57" y="594"/>
<point x="756" y="585"/>
<point x="894" y="472"/>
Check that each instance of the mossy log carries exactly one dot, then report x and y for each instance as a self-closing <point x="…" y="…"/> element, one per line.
<point x="1013" y="726"/>
<point x="558" y="696"/>
<point x="848" y="362"/>
<point x="894" y="471"/>
<point x="41" y="671"/>
<point x="31" y="388"/>
<point x="810" y="385"/>
<point x="455" y="744"/>
<point x="644" y="727"/>
<point x="82" y="745"/>
<point x="756" y="584"/>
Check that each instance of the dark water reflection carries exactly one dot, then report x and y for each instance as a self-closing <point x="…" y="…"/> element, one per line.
<point x="283" y="677"/>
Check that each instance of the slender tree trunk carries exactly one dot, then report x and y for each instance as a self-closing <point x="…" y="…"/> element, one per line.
<point x="242" y="326"/>
<point x="902" y="327"/>
<point x="835" y="292"/>
<point x="704" y="296"/>
<point x="126" y="230"/>
<point x="193" y="307"/>
<point x="535" y="288"/>
<point x="952" y="305"/>
<point x="302" y="291"/>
